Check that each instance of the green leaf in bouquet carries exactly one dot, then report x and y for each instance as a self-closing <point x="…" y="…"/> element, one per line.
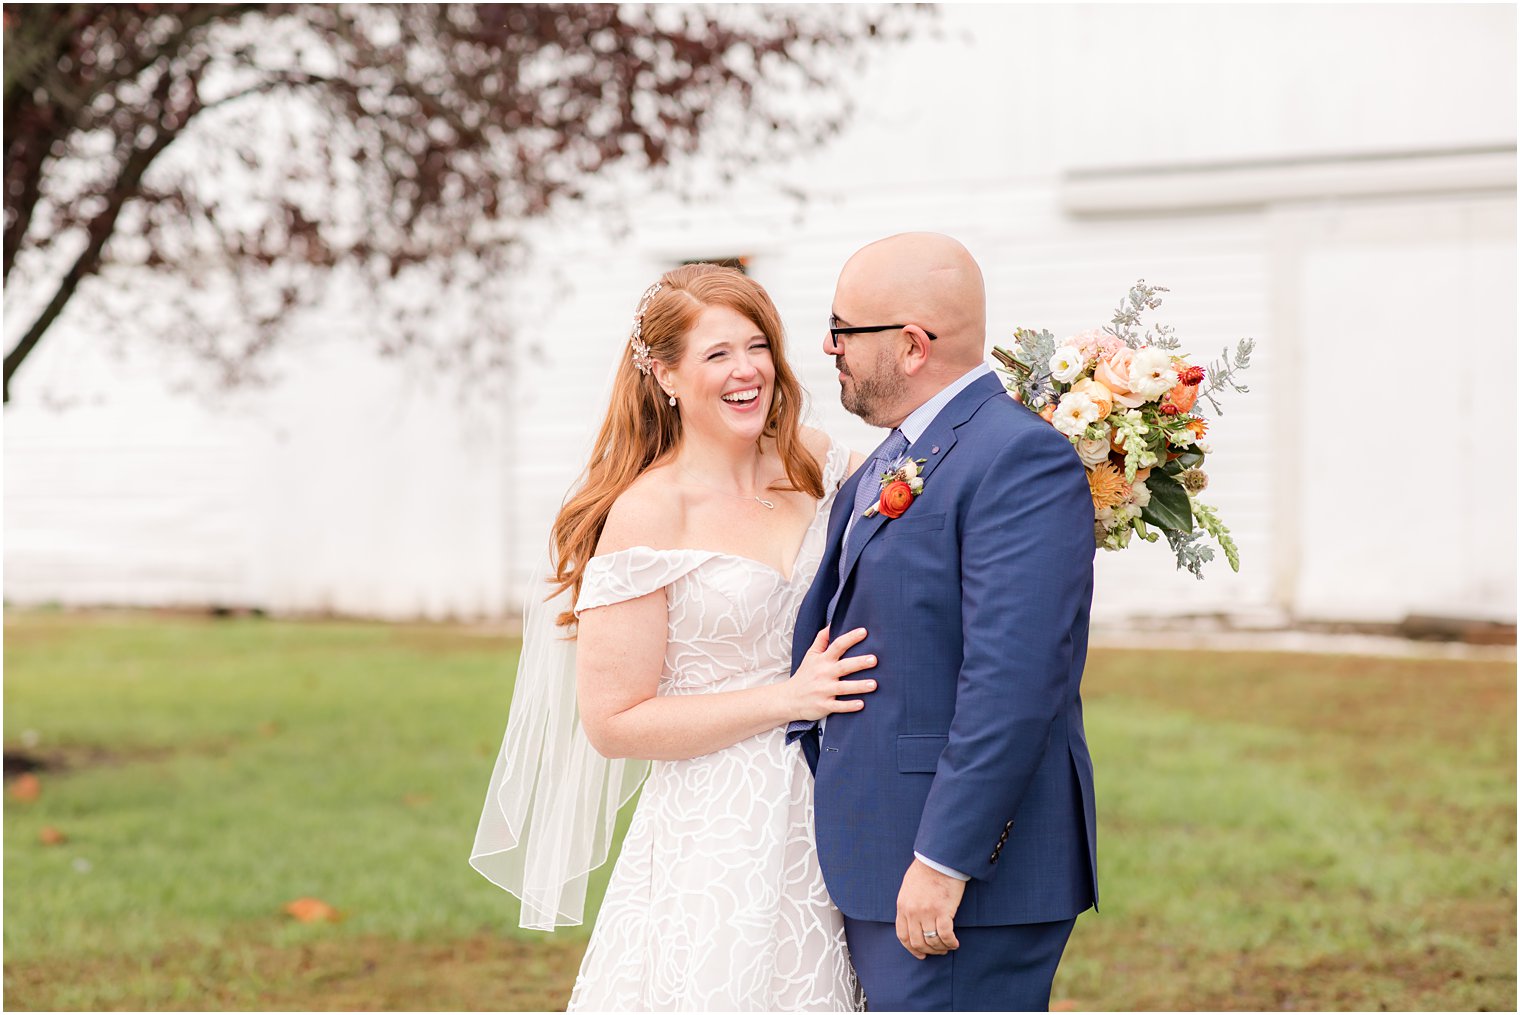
<point x="1188" y="459"/>
<point x="1169" y="507"/>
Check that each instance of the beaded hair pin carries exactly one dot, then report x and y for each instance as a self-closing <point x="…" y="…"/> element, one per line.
<point x="641" y="357"/>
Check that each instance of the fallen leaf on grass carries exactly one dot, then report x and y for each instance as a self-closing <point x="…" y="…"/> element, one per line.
<point x="269" y="729"/>
<point x="26" y="788"/>
<point x="50" y="836"/>
<point x="309" y="910"/>
<point x="416" y="799"/>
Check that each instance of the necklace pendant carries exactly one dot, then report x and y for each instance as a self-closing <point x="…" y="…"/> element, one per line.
<point x="768" y="503"/>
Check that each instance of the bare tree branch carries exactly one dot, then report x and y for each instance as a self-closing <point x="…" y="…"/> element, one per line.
<point x="399" y="145"/>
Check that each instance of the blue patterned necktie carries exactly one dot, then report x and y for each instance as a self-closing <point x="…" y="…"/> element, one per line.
<point x="866" y="494"/>
<point x="869" y="492"/>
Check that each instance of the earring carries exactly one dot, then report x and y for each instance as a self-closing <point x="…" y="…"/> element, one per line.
<point x="672" y="398"/>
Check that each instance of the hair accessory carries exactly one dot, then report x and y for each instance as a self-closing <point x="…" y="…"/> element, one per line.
<point x="641" y="357"/>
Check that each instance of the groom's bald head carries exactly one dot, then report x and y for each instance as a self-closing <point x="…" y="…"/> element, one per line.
<point x="926" y="280"/>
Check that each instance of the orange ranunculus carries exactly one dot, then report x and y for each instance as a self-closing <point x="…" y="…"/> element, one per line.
<point x="1113" y="373"/>
<point x="1048" y="414"/>
<point x="1098" y="392"/>
<point x="1183" y="396"/>
<point x="895" y="498"/>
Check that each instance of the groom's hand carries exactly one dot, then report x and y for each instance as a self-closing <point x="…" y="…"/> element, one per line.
<point x="928" y="901"/>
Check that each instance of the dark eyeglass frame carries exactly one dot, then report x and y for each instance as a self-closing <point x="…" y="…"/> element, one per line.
<point x="867" y="329"/>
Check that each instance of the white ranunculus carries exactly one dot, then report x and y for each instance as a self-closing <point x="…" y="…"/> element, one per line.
<point x="1142" y="493"/>
<point x="1151" y="374"/>
<point x="1125" y="513"/>
<point x="1067" y="364"/>
<point x="1092" y="451"/>
<point x="1074" y="412"/>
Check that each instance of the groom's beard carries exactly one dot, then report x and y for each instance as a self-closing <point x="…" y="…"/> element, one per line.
<point x="871" y="396"/>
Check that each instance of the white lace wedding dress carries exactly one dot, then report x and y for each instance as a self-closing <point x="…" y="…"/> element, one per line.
<point x="717" y="902"/>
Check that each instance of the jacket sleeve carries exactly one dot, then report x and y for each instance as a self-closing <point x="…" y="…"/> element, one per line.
<point x="1026" y="570"/>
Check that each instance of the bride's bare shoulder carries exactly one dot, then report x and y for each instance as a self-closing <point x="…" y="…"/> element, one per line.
<point x="649" y="513"/>
<point x="817" y="442"/>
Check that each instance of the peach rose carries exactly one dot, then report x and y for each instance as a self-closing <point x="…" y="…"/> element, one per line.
<point x="1113" y="374"/>
<point x="895" y="499"/>
<point x="1101" y="396"/>
<point x="1183" y="396"/>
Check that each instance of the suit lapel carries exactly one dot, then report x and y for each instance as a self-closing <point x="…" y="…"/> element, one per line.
<point x="839" y="517"/>
<point x="810" y="616"/>
<point x="933" y="446"/>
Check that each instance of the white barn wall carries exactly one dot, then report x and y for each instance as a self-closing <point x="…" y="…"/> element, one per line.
<point x="352" y="489"/>
<point x="348" y="488"/>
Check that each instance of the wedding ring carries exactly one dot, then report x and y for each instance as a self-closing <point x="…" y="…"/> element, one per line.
<point x="931" y="933"/>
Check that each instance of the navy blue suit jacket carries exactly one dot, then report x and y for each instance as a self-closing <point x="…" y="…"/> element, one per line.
<point x="971" y="750"/>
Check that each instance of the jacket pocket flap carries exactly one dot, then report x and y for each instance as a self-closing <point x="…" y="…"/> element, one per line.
<point x="915" y="523"/>
<point x="916" y="753"/>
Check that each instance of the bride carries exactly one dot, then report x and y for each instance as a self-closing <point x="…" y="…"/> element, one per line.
<point x="685" y="553"/>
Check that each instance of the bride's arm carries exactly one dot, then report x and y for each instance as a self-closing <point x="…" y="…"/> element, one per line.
<point x="621" y="654"/>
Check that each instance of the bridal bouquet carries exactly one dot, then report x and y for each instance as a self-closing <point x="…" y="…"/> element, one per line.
<point x="1128" y="401"/>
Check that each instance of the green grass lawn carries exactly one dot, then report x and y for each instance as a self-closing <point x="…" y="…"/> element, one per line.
<point x="1276" y="831"/>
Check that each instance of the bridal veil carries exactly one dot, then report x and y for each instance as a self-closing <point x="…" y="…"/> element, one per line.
<point x="552" y="804"/>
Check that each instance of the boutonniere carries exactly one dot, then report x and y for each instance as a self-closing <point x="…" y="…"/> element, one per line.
<point x="898" y="488"/>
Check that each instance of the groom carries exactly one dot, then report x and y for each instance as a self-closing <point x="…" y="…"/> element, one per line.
<point x="954" y="813"/>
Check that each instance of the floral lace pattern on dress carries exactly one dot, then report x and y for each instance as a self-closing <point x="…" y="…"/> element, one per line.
<point x="717" y="902"/>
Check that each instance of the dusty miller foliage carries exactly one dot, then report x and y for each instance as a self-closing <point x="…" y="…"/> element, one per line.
<point x="1221" y="373"/>
<point x="203" y="173"/>
<point x="1191" y="554"/>
<point x="1126" y="320"/>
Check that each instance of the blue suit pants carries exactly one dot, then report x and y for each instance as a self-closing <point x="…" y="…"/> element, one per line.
<point x="1007" y="968"/>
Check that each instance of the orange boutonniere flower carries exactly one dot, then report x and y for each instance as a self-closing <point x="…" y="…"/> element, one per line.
<point x="899" y="487"/>
<point x="895" y="499"/>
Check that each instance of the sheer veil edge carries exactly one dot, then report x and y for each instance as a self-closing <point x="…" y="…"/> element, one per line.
<point x="552" y="804"/>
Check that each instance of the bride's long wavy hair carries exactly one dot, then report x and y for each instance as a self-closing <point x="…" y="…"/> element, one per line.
<point x="642" y="430"/>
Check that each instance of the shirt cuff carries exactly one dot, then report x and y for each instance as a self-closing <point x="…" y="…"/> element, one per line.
<point x="957" y="875"/>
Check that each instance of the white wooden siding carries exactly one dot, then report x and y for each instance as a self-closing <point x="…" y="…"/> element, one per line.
<point x="1240" y="155"/>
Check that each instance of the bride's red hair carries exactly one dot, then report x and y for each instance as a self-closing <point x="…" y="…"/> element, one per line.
<point x="642" y="430"/>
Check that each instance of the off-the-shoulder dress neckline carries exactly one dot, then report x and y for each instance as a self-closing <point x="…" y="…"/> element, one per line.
<point x="796" y="557"/>
<point x="785" y="578"/>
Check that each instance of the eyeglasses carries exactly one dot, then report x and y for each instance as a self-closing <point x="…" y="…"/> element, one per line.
<point x="867" y="329"/>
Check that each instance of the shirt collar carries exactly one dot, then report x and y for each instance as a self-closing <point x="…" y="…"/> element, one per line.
<point x="919" y="419"/>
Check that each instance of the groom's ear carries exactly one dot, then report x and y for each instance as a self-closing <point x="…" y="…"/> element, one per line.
<point x="915" y="353"/>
